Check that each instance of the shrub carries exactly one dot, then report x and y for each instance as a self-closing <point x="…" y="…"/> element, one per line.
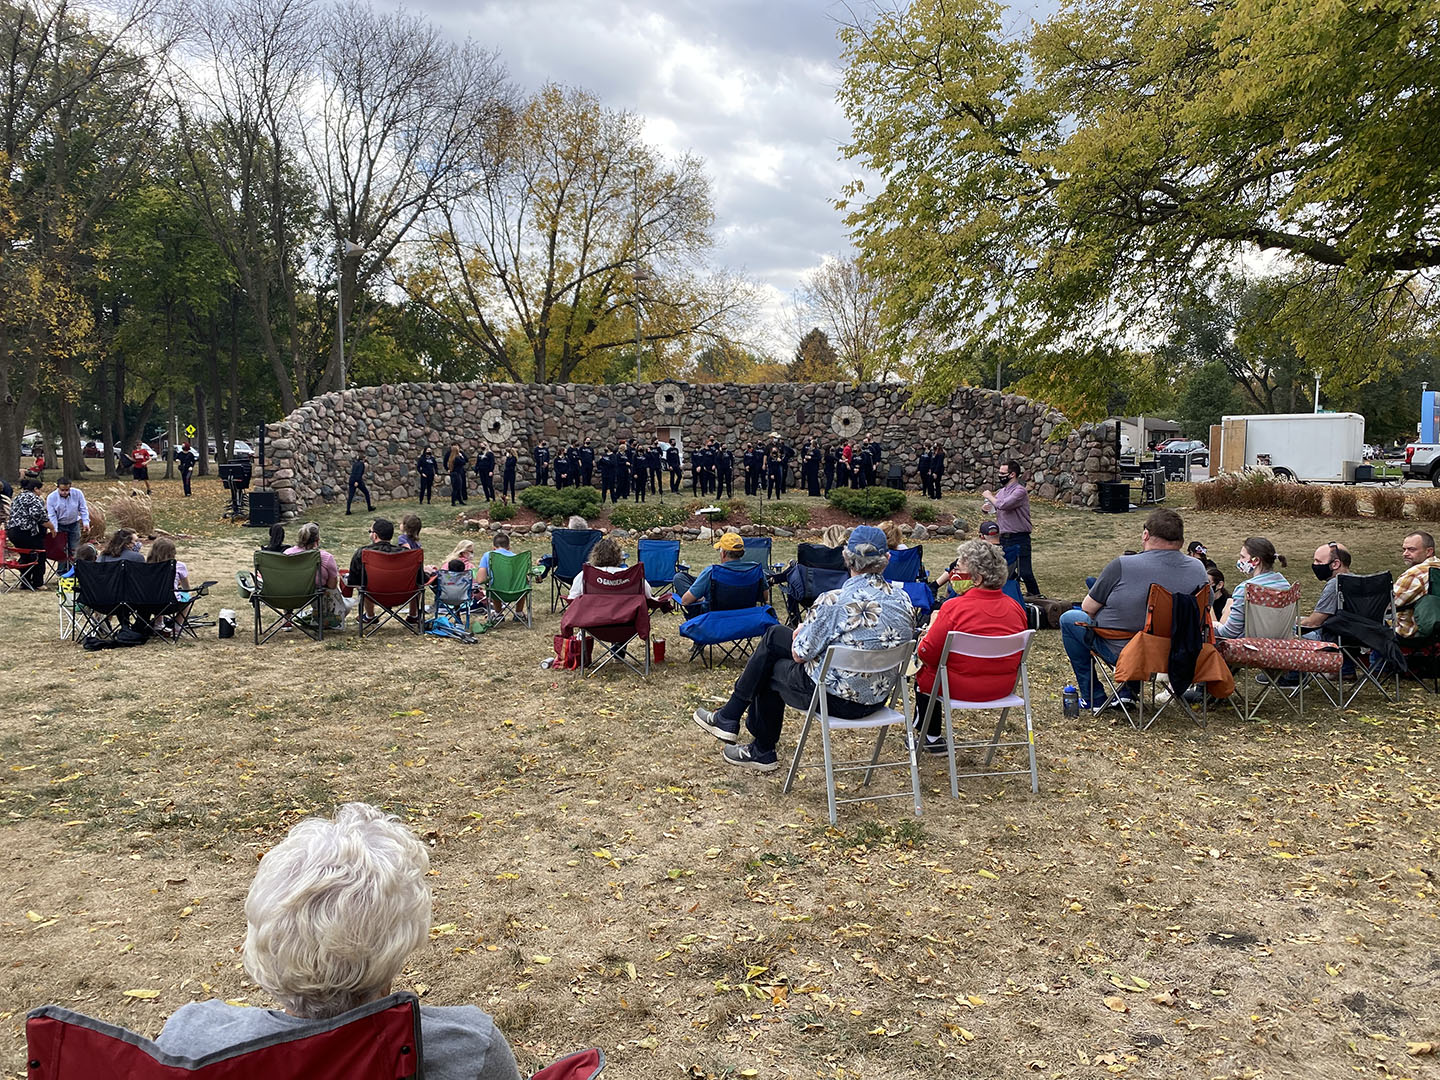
<point x="726" y="509"/>
<point x="1388" y="503"/>
<point x="557" y="504"/>
<point x="1344" y="502"/>
<point x="924" y="513"/>
<point x="871" y="503"/>
<point x="129" y="512"/>
<point x="786" y="514"/>
<point x="96" y="533"/>
<point x="1302" y="498"/>
<point x="500" y="511"/>
<point x="639" y="517"/>
<point x="1427" y="505"/>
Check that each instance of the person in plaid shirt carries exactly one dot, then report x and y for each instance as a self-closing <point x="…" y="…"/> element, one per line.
<point x="1418" y="551"/>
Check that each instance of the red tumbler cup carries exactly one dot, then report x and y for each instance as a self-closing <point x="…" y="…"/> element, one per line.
<point x="657" y="650"/>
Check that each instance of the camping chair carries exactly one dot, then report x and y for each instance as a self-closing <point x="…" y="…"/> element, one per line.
<point x="183" y="620"/>
<point x="285" y="584"/>
<point x="569" y="548"/>
<point x="906" y="569"/>
<point x="758" y="550"/>
<point x="14" y="562"/>
<point x="613" y="610"/>
<point x="65" y="604"/>
<point x="994" y="649"/>
<point x="510" y="584"/>
<point x="892" y="663"/>
<point x="1364" y="627"/>
<point x="394" y="582"/>
<point x="661" y="559"/>
<point x="1153" y="651"/>
<point x="57" y="557"/>
<point x="454" y="596"/>
<point x="817" y="569"/>
<point x="735" y="617"/>
<point x="150" y="595"/>
<point x="98" y="607"/>
<point x="1269" y="644"/>
<point x="377" y="1041"/>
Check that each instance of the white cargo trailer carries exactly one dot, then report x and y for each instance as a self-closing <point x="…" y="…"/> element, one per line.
<point x="1327" y="447"/>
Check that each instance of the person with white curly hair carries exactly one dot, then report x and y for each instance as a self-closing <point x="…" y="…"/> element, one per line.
<point x="334" y="910"/>
<point x="864" y="613"/>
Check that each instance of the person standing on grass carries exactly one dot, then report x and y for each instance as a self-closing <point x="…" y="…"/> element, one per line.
<point x="68" y="513"/>
<point x="357" y="483"/>
<point x="867" y="612"/>
<point x="455" y="462"/>
<point x="186" y="460"/>
<point x="507" y="476"/>
<point x="140" y="464"/>
<point x="1011" y="505"/>
<point x="426" y="467"/>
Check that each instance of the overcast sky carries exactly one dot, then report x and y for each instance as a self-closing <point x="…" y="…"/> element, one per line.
<point x="748" y="85"/>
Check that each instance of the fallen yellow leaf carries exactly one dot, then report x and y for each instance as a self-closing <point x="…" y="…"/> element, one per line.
<point x="142" y="993"/>
<point x="1115" y="1003"/>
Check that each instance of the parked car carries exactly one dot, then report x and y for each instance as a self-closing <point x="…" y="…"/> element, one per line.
<point x="1199" y="453"/>
<point x="243" y="450"/>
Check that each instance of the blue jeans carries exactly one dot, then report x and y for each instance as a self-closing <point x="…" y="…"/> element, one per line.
<point x="1347" y="666"/>
<point x="1077" y="634"/>
<point x="71" y="532"/>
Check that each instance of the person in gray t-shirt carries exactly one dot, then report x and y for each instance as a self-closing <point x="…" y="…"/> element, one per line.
<point x="1330" y="562"/>
<point x="1118" y="600"/>
<point x="334" y="910"/>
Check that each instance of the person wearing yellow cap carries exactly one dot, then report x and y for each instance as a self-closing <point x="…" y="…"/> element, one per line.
<point x="694" y="592"/>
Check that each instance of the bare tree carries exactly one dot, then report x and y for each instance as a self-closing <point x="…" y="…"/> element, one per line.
<point x="843" y="299"/>
<point x="402" y="117"/>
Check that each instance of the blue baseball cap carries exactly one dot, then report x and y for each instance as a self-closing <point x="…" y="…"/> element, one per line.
<point x="863" y="536"/>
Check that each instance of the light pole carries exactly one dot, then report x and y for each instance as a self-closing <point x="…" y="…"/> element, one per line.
<point x="348" y="250"/>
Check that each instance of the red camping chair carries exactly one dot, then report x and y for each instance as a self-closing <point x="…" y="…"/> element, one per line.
<point x="378" y="1041"/>
<point x="613" y="610"/>
<point x="394" y="580"/>
<point x="15" y="563"/>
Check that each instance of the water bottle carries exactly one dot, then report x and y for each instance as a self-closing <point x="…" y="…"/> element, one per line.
<point x="1070" y="698"/>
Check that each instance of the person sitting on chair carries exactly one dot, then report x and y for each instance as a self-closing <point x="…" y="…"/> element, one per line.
<point x="980" y="609"/>
<point x="277" y="539"/>
<point x="409" y="532"/>
<point x="333" y="912"/>
<point x="1256" y="563"/>
<point x="605" y="555"/>
<point x="1118" y="600"/>
<point x="382" y="532"/>
<point x="123" y="546"/>
<point x="327" y="577"/>
<point x="694" y="592"/>
<point x="864" y="613"/>
<point x="1418" y="552"/>
<point x="482" y="575"/>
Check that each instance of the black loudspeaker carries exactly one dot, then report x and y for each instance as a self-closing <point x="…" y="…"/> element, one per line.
<point x="1114" y="498"/>
<point x="261" y="448"/>
<point x="264" y="508"/>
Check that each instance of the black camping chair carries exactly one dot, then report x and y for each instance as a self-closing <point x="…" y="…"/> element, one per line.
<point x="817" y="569"/>
<point x="1365" y="624"/>
<point x="98" y="607"/>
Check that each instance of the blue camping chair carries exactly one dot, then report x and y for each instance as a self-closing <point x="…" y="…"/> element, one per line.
<point x="455" y="596"/>
<point x="757" y="550"/>
<point x="817" y="569"/>
<point x="906" y="569"/>
<point x="569" y="548"/>
<point x="661" y="559"/>
<point x="735" y="617"/>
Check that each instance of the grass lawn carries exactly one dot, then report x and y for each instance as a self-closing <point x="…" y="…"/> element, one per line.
<point x="1259" y="900"/>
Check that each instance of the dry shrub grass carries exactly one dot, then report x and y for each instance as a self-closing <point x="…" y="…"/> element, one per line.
<point x="129" y="511"/>
<point x="1343" y="502"/>
<point x="1389" y="503"/>
<point x="1305" y="499"/>
<point x="1427" y="504"/>
<point x="1257" y="897"/>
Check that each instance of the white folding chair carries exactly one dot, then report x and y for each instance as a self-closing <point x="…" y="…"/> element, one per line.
<point x="985" y="648"/>
<point x="892" y="662"/>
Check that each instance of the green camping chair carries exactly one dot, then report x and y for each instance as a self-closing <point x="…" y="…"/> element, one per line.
<point x="509" y="583"/>
<point x="286" y="585"/>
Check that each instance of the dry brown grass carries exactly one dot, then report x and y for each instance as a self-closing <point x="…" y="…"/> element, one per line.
<point x="1427" y="504"/>
<point x="1389" y="503"/>
<point x="129" y="511"/>
<point x="1342" y="502"/>
<point x="1268" y="882"/>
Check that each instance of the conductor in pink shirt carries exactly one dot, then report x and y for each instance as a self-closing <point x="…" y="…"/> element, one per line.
<point x="1011" y="506"/>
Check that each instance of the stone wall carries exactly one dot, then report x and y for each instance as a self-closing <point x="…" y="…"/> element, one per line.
<point x="308" y="453"/>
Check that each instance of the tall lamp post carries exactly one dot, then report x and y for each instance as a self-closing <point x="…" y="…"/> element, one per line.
<point x="348" y="250"/>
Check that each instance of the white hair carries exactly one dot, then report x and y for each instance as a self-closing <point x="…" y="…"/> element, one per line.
<point x="577" y="522"/>
<point x="334" y="910"/>
<point x="868" y="560"/>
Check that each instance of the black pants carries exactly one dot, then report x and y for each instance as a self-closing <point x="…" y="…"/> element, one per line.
<point x="458" y="494"/>
<point x="542" y="476"/>
<point x="1017" y="551"/>
<point x="507" y="487"/>
<point x="638" y="488"/>
<point x="776" y="487"/>
<point x="487" y="485"/>
<point x="34" y="572"/>
<point x="427" y="488"/>
<point x="674" y="481"/>
<point x="185" y="479"/>
<point x="358" y="485"/>
<point x="771" y="680"/>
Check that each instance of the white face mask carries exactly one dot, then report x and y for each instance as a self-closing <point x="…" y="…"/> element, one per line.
<point x="1246" y="566"/>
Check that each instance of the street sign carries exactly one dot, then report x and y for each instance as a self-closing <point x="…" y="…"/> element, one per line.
<point x="190" y="430"/>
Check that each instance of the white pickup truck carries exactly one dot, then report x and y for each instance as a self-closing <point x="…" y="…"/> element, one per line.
<point x="1422" y="462"/>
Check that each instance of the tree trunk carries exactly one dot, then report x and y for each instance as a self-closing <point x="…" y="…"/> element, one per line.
<point x="234" y="416"/>
<point x="71" y="455"/>
<point x="173" y="429"/>
<point x="202" y="431"/>
<point x="212" y="357"/>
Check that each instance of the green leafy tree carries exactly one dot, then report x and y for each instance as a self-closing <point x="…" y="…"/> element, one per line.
<point x="1208" y="394"/>
<point x="1068" y="187"/>
<point x="815" y="360"/>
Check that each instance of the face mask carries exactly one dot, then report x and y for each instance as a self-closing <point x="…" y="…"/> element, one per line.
<point x="1245" y="566"/>
<point x="1322" y="570"/>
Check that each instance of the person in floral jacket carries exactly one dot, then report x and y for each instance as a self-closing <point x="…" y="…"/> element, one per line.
<point x="864" y="613"/>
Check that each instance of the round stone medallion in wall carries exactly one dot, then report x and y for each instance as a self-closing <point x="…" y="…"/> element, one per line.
<point x="496" y="427"/>
<point x="669" y="398"/>
<point x="846" y="422"/>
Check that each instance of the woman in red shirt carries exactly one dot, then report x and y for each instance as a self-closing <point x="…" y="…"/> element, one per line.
<point x="981" y="609"/>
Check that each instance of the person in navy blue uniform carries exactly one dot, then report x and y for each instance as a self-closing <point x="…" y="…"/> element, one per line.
<point x="654" y="464"/>
<point x="562" y="470"/>
<point x="508" y="469"/>
<point x="541" y="456"/>
<point x="485" y="470"/>
<point x="455" y="462"/>
<point x="832" y="458"/>
<point x="639" y="472"/>
<point x="810" y="468"/>
<point x="937" y="469"/>
<point x="426" y="467"/>
<point x="587" y="463"/>
<point x="622" y="471"/>
<point x="725" y="472"/>
<point x="357" y="483"/>
<point x="672" y="462"/>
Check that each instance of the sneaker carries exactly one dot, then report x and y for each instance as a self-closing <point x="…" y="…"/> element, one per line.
<point x="1116" y="701"/>
<point x="1194" y="695"/>
<point x="723" y="729"/>
<point x="517" y="617"/>
<point x="752" y="757"/>
<point x="934" y="744"/>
